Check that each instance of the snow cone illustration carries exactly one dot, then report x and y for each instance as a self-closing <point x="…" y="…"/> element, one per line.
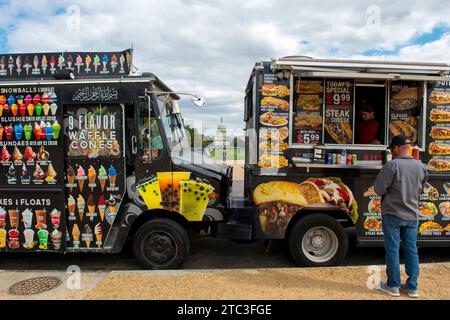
<point x="195" y="196"/>
<point x="151" y="192"/>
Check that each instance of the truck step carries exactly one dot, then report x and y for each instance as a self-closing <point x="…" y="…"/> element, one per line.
<point x="234" y="231"/>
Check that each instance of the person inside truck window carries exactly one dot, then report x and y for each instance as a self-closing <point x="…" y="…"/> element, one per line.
<point x="368" y="129"/>
<point x="156" y="139"/>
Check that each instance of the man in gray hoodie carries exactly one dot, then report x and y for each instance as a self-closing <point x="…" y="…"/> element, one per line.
<point x="399" y="184"/>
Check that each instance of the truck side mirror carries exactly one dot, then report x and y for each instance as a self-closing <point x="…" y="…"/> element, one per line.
<point x="199" y="101"/>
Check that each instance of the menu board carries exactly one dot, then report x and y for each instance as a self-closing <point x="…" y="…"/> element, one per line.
<point x="308" y="111"/>
<point x="438" y="126"/>
<point x="273" y="122"/>
<point x="46" y="65"/>
<point x="31" y="170"/>
<point x="95" y="182"/>
<point x="404" y="110"/>
<point x="339" y="97"/>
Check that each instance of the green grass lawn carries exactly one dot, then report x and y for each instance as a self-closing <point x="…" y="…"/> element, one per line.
<point x="231" y="154"/>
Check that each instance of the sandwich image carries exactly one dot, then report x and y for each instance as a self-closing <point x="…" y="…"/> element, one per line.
<point x="439" y="164"/>
<point x="305" y="86"/>
<point x="279" y="134"/>
<point x="340" y="132"/>
<point x="405" y="99"/>
<point x="438" y="132"/>
<point x="402" y="127"/>
<point x="372" y="223"/>
<point x="304" y="118"/>
<point x="269" y="90"/>
<point x="310" y="102"/>
<point x="268" y="160"/>
<point x="431" y="193"/>
<point x="438" y="148"/>
<point x="444" y="209"/>
<point x="430" y="227"/>
<point x="279" y="201"/>
<point x="269" y="119"/>
<point x="437" y="97"/>
<point x="437" y="115"/>
<point x="270" y="101"/>
<point x="370" y="192"/>
<point x="273" y="145"/>
<point x="375" y="205"/>
<point x="427" y="209"/>
<point x="282" y="91"/>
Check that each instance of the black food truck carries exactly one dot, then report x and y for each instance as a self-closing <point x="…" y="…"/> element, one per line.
<point x="93" y="155"/>
<point x="320" y="130"/>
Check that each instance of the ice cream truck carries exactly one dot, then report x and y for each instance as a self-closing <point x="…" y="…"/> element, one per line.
<point x="89" y="160"/>
<point x="320" y="129"/>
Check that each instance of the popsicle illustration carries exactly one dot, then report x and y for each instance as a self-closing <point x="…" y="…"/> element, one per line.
<point x="22" y="110"/>
<point x="49" y="131"/>
<point x="53" y="108"/>
<point x="71" y="205"/>
<point x="29" y="154"/>
<point x="96" y="63"/>
<point x="9" y="132"/>
<point x="88" y="233"/>
<point x="30" y="109"/>
<point x="81" y="173"/>
<point x="102" y="206"/>
<point x="18" y="130"/>
<point x="92" y="175"/>
<point x="38" y="109"/>
<point x="102" y="177"/>
<point x="14" y="109"/>
<point x="5" y="154"/>
<point x="56" y="129"/>
<point x="28" y="129"/>
<point x="98" y="230"/>
<point x="81" y="204"/>
<point x="150" y="191"/>
<point x="70" y="177"/>
<point x="194" y="199"/>
<point x="112" y="175"/>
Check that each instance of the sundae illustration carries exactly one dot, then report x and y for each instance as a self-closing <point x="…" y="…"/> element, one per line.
<point x="38" y="174"/>
<point x="25" y="177"/>
<point x="29" y="154"/>
<point x="43" y="154"/>
<point x="17" y="156"/>
<point x="5" y="155"/>
<point x="50" y="174"/>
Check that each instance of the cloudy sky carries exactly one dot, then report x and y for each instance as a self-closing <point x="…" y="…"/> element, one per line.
<point x="210" y="47"/>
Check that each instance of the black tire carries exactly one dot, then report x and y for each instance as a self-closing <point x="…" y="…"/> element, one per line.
<point x="161" y="244"/>
<point x="321" y="224"/>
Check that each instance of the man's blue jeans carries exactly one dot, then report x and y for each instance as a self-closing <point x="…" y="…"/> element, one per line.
<point x="395" y="229"/>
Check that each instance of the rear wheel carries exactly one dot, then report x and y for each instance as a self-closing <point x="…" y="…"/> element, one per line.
<point x="318" y="240"/>
<point x="161" y="244"/>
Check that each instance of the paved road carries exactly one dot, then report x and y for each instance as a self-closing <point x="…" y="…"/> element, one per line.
<point x="206" y="253"/>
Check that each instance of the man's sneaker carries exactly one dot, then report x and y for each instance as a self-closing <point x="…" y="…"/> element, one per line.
<point x="392" y="291"/>
<point x="411" y="293"/>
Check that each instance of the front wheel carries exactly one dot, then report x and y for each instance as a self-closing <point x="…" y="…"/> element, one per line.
<point x="318" y="240"/>
<point x="161" y="244"/>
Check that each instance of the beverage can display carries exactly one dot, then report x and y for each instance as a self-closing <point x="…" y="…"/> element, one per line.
<point x="334" y="159"/>
<point x="354" y="158"/>
<point x="349" y="159"/>
<point x="338" y="158"/>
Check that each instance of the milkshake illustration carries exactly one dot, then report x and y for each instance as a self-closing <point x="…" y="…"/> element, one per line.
<point x="29" y="239"/>
<point x="27" y="218"/>
<point x="41" y="218"/>
<point x="43" y="239"/>
<point x="55" y="215"/>
<point x="14" y="218"/>
<point x="56" y="236"/>
<point x="2" y="217"/>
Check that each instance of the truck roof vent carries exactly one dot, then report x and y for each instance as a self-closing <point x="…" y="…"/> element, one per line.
<point x="298" y="58"/>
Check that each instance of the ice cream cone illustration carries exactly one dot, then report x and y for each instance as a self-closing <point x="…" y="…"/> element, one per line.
<point x="2" y="63"/>
<point x="101" y="207"/>
<point x="81" y="204"/>
<point x="81" y="174"/>
<point x="96" y="63"/>
<point x="122" y="63"/>
<point x="76" y="233"/>
<point x="92" y="175"/>
<point x="10" y="64"/>
<point x="69" y="62"/>
<point x="102" y="177"/>
<point x="19" y="65"/>
<point x="61" y="61"/>
<point x="105" y="61"/>
<point x="113" y="62"/>
<point x="36" y="62"/>
<point x="112" y="205"/>
<point x="78" y="62"/>
<point x="71" y="205"/>
<point x="52" y="64"/>
<point x="70" y="177"/>
<point x="98" y="230"/>
<point x="87" y="234"/>
<point x="91" y="204"/>
<point x="87" y="61"/>
<point x="112" y="175"/>
<point x="27" y="64"/>
<point x="44" y="63"/>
